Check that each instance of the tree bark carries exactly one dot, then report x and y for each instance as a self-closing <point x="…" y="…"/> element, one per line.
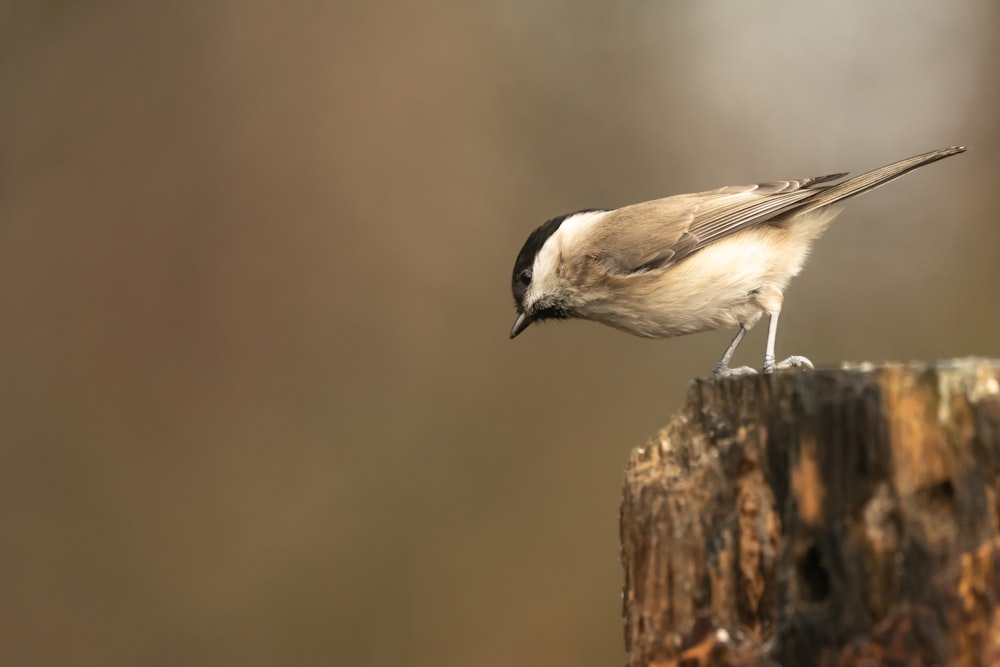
<point x="835" y="517"/>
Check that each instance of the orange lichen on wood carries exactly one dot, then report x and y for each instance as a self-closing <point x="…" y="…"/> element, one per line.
<point x="807" y="486"/>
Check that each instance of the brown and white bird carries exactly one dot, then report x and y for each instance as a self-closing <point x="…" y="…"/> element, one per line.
<point x="687" y="263"/>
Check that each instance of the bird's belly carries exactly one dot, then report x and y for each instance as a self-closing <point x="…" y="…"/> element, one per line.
<point x="716" y="288"/>
<point x="666" y="317"/>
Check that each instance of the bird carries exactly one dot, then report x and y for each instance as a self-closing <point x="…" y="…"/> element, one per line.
<point x="688" y="263"/>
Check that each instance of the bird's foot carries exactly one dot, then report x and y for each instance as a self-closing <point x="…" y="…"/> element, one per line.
<point x="721" y="371"/>
<point x="790" y="362"/>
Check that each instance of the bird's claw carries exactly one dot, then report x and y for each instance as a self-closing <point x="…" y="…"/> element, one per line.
<point x="726" y="371"/>
<point x="795" y="361"/>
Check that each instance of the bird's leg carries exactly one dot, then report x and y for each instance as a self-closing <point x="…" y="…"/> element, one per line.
<point x="722" y="368"/>
<point x="772" y="332"/>
<point x="790" y="362"/>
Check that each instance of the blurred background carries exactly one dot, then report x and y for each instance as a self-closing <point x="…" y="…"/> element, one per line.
<point x="257" y="401"/>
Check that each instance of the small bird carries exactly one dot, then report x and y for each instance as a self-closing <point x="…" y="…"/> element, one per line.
<point x="687" y="263"/>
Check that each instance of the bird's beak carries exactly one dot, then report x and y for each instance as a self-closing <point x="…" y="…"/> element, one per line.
<point x="520" y="324"/>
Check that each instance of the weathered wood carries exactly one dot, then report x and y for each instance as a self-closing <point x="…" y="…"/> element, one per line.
<point x="836" y="517"/>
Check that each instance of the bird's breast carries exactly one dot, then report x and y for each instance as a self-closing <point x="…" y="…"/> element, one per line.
<point x="715" y="288"/>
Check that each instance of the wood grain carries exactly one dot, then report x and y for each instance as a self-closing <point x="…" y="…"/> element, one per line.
<point x="834" y="517"/>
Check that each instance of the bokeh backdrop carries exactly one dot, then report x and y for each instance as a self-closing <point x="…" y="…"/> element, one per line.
<point x="257" y="401"/>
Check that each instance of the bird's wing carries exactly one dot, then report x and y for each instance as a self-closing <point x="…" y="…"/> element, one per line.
<point x="654" y="234"/>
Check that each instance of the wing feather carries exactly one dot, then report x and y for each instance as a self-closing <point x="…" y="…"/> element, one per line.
<point x="651" y="235"/>
<point x="656" y="234"/>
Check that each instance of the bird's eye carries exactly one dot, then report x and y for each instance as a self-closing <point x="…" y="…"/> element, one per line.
<point x="524" y="277"/>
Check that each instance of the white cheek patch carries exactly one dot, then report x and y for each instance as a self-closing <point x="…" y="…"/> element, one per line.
<point x="545" y="280"/>
<point x="578" y="224"/>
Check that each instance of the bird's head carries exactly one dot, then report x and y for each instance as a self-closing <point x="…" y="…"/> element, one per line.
<point x="541" y="287"/>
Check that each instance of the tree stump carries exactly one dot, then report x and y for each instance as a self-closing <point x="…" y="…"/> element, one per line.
<point x="833" y="517"/>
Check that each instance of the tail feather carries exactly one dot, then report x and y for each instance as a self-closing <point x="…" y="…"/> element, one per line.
<point x="875" y="178"/>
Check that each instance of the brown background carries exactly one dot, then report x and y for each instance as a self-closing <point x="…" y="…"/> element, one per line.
<point x="257" y="401"/>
